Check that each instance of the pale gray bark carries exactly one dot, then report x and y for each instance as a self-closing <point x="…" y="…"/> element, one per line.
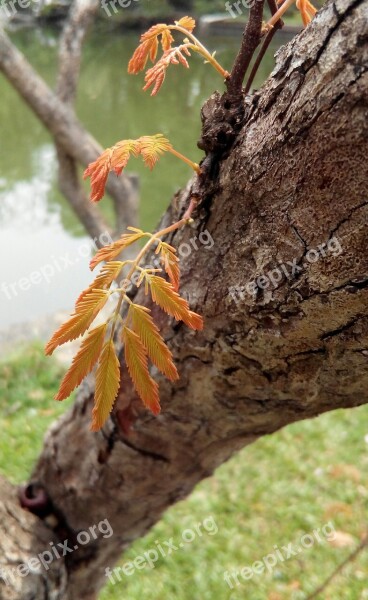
<point x="295" y="178"/>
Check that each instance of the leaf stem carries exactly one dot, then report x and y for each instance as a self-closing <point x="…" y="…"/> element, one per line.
<point x="202" y="50"/>
<point x="189" y="162"/>
<point x="135" y="263"/>
<point x="265" y="44"/>
<point x="278" y="14"/>
<point x="251" y="37"/>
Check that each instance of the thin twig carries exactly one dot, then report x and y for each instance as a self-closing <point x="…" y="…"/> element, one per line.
<point x="251" y="39"/>
<point x="266" y="42"/>
<point x="363" y="544"/>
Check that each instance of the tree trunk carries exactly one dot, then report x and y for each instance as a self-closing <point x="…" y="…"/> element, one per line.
<point x="293" y="181"/>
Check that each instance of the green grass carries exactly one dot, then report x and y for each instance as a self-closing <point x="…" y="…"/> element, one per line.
<point x="270" y="494"/>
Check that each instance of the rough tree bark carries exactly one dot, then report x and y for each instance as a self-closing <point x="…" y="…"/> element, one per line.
<point x="294" y="178"/>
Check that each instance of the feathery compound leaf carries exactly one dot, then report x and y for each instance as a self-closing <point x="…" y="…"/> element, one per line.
<point x="152" y="147"/>
<point x="83" y="362"/>
<point x="136" y="361"/>
<point x="99" y="171"/>
<point x="169" y="300"/>
<point x="108" y="273"/>
<point x="103" y="281"/>
<point x="155" y="76"/>
<point x="187" y="23"/>
<point x="143" y="325"/>
<point x="111" y="251"/>
<point x="149" y="46"/>
<point x="121" y="153"/>
<point x="116" y="159"/>
<point x="85" y="313"/>
<point x="170" y="262"/>
<point x="112" y="159"/>
<point x="166" y="40"/>
<point x="107" y="385"/>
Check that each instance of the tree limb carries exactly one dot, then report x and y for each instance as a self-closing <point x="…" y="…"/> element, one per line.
<point x="63" y="125"/>
<point x="250" y="41"/>
<point x="80" y="17"/>
<point x="266" y="42"/>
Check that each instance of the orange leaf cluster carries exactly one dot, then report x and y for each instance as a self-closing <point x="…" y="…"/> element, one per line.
<point x="141" y="336"/>
<point x="155" y="76"/>
<point x="149" y="43"/>
<point x="115" y="159"/>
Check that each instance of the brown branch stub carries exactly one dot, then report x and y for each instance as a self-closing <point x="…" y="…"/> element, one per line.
<point x="266" y="42"/>
<point x="251" y="37"/>
<point x="33" y="497"/>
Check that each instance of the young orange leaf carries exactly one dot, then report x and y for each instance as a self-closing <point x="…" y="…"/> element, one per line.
<point x="111" y="251"/>
<point x="169" y="300"/>
<point x="139" y="59"/>
<point x="170" y="262"/>
<point x="155" y="76"/>
<point x="99" y="171"/>
<point x="83" y="362"/>
<point x="85" y="313"/>
<point x="149" y="46"/>
<point x="166" y="40"/>
<point x="152" y="147"/>
<point x="144" y="326"/>
<point x="136" y="361"/>
<point x="107" y="385"/>
<point x="108" y="273"/>
<point x="120" y="154"/>
<point x="187" y="23"/>
<point x="116" y="159"/>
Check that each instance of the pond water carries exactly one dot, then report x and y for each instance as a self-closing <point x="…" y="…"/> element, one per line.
<point x="43" y="248"/>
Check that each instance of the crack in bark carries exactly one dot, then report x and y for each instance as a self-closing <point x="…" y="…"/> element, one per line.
<point x="342" y="329"/>
<point x="154" y="455"/>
